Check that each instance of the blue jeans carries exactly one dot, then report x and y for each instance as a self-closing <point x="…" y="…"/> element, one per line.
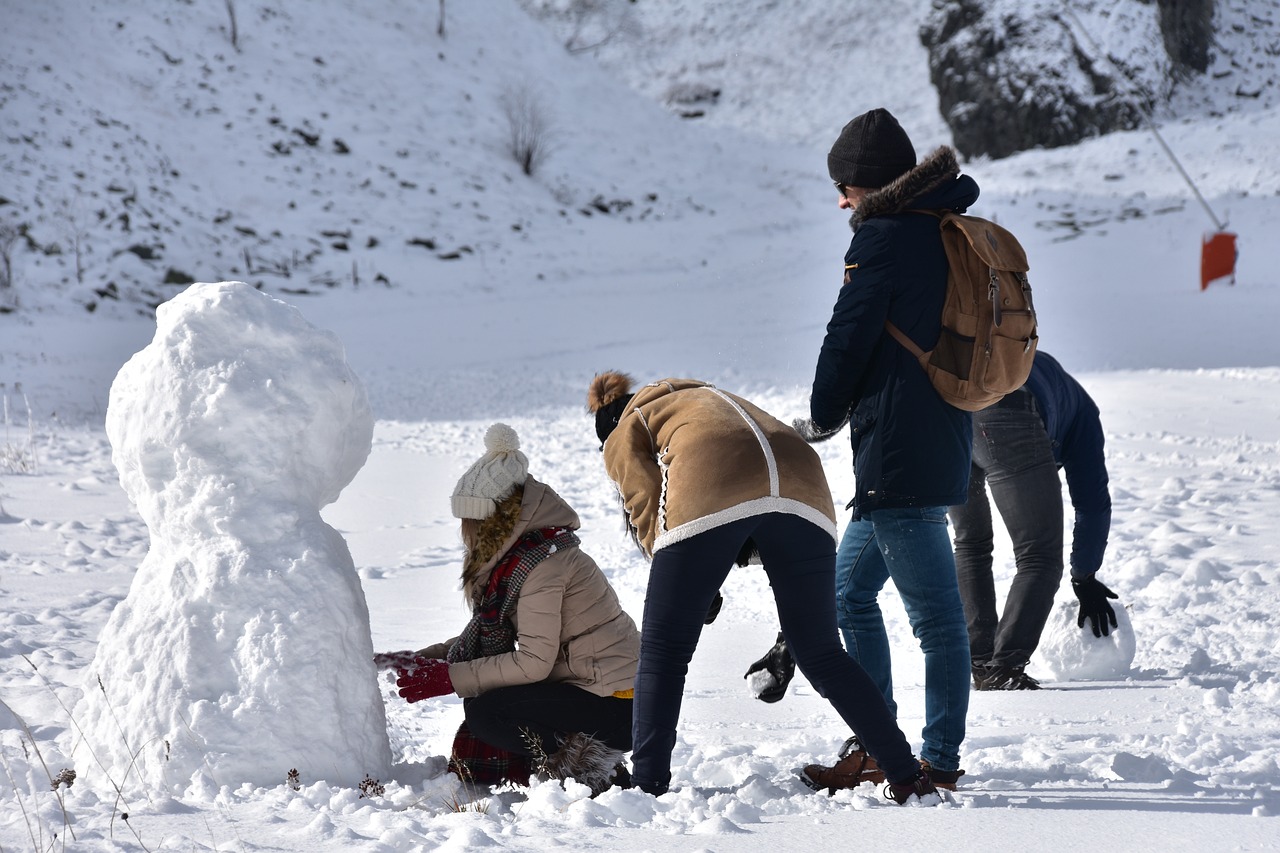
<point x="799" y="559"/>
<point x="1012" y="453"/>
<point x="912" y="546"/>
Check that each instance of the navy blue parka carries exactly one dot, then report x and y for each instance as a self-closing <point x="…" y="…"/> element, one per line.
<point x="910" y="447"/>
<point x="1075" y="433"/>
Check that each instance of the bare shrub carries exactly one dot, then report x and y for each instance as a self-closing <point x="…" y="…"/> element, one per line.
<point x="529" y="127"/>
<point x="17" y="456"/>
<point x="234" y="32"/>
<point x="370" y="787"/>
<point x="9" y="236"/>
<point x="465" y="798"/>
<point x="73" y="224"/>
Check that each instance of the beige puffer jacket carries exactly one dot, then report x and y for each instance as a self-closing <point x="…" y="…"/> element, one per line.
<point x="688" y="457"/>
<point x="569" y="624"/>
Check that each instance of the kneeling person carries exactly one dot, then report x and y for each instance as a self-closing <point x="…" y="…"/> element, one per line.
<point x="546" y="664"/>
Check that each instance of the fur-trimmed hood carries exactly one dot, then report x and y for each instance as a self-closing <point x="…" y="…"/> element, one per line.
<point x="931" y="173"/>
<point x="538" y="506"/>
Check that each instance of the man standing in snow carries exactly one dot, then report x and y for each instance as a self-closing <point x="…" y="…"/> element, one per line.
<point x="911" y="449"/>
<point x="1019" y="445"/>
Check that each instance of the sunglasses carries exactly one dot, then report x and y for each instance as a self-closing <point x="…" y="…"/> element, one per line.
<point x="843" y="189"/>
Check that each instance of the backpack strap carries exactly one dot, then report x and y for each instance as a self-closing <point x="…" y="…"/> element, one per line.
<point x="901" y="337"/>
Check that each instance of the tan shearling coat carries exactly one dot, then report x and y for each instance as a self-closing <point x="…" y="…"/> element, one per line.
<point x="688" y="457"/>
<point x="570" y="626"/>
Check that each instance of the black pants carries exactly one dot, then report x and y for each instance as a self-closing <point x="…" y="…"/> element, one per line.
<point x="549" y="711"/>
<point x="799" y="558"/>
<point x="1012" y="455"/>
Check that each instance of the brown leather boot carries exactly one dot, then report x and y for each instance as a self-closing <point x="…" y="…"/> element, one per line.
<point x="941" y="778"/>
<point x="854" y="767"/>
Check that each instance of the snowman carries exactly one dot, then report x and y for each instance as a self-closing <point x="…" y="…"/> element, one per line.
<point x="242" y="651"/>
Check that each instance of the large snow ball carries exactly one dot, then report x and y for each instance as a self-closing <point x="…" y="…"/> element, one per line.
<point x="237" y="395"/>
<point x="243" y="649"/>
<point x="1071" y="653"/>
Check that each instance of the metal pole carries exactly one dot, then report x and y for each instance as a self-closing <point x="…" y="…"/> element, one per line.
<point x="1221" y="226"/>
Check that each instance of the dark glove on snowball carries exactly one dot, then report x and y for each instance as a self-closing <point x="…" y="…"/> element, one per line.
<point x="423" y="679"/>
<point x="1093" y="597"/>
<point x="813" y="433"/>
<point x="714" y="610"/>
<point x="776" y="669"/>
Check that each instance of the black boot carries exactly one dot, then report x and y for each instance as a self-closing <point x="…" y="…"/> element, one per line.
<point x="918" y="786"/>
<point x="1009" y="677"/>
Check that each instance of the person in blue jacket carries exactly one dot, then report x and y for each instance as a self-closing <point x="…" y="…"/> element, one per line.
<point x="911" y="449"/>
<point x="1019" y="444"/>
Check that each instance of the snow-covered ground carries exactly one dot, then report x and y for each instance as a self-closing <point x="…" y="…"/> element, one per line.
<point x="723" y="267"/>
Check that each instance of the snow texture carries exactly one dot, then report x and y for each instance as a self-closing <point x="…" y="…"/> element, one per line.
<point x="138" y="140"/>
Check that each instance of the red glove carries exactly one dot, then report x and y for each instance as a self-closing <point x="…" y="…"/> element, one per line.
<point x="424" y="678"/>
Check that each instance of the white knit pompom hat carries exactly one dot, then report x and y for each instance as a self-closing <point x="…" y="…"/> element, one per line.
<point x="494" y="476"/>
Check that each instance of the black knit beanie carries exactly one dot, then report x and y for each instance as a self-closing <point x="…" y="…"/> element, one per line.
<point x="607" y="417"/>
<point x="607" y="398"/>
<point x="871" y="151"/>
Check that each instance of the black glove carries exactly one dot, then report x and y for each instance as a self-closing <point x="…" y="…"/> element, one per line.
<point x="714" y="610"/>
<point x="780" y="666"/>
<point x="813" y="433"/>
<point x="1093" y="597"/>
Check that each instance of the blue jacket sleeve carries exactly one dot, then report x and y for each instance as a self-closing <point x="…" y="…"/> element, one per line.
<point x="1085" y="467"/>
<point x="856" y="323"/>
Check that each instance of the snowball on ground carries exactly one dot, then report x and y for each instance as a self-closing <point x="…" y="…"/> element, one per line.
<point x="1071" y="653"/>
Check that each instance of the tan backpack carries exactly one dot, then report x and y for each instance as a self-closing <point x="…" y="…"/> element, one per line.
<point x="988" y="336"/>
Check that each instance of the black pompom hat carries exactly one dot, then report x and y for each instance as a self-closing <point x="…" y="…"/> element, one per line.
<point x="607" y="399"/>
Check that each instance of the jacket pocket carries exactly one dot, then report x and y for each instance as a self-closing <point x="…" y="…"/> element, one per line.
<point x="580" y="659"/>
<point x="860" y="424"/>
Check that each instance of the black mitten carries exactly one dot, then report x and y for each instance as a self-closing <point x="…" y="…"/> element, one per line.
<point x="779" y="668"/>
<point x="1093" y="597"/>
<point x="714" y="610"/>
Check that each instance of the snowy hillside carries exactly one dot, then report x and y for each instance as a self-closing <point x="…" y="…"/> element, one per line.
<point x="353" y="148"/>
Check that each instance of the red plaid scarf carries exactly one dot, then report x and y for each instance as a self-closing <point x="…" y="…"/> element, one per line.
<point x="490" y="631"/>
